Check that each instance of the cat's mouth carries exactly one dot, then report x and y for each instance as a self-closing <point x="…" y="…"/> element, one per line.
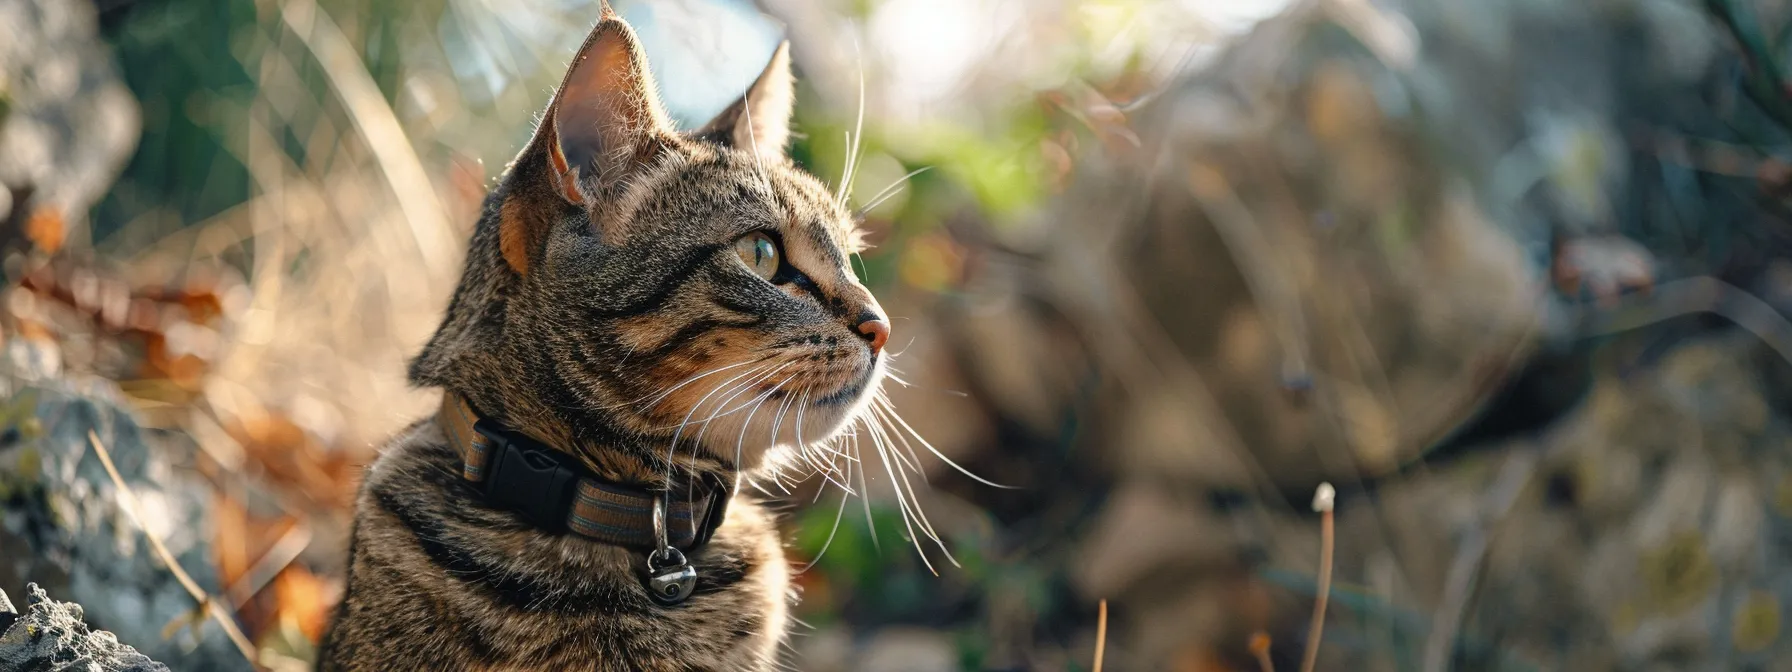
<point x="851" y="391"/>
<point x="846" y="394"/>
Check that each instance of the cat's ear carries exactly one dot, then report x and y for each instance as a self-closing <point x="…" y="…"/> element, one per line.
<point x="759" y="122"/>
<point x="606" y="120"/>
<point x="604" y="123"/>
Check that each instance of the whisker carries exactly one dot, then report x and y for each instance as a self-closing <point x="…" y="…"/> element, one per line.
<point x="858" y="133"/>
<point x="882" y="432"/>
<point x="741" y="441"/>
<point x="915" y="503"/>
<point x="729" y="390"/>
<point x="672" y="450"/>
<point x="880" y="407"/>
<point x="761" y="488"/>
<point x="838" y="514"/>
<point x="801" y="446"/>
<point x="661" y="396"/>
<point x="901" y="500"/>
<point x="865" y="494"/>
<point x="742" y="389"/>
<point x="936" y="453"/>
<point x="845" y="170"/>
<point x="723" y="402"/>
<point x="831" y="465"/>
<point x="890" y="191"/>
<point x="808" y="453"/>
<point x="778" y="421"/>
<point x="746" y="107"/>
<point x="925" y="524"/>
<point x="737" y="390"/>
<point x="826" y="470"/>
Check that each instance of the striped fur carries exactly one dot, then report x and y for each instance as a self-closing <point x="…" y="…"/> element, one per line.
<point x="600" y="285"/>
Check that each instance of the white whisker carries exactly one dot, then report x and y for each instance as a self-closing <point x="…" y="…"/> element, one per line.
<point x="915" y="503"/>
<point x="894" y="188"/>
<point x="746" y="107"/>
<point x="740" y="442"/>
<point x="838" y="514"/>
<point x="901" y="499"/>
<point x="873" y="421"/>
<point x="723" y="402"/>
<point x="672" y="450"/>
<point x="865" y="494"/>
<point x="857" y="136"/>
<point x="661" y="396"/>
<point x="936" y="453"/>
<point x="739" y="390"/>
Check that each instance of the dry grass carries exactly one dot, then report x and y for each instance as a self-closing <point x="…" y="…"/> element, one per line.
<point x="207" y="605"/>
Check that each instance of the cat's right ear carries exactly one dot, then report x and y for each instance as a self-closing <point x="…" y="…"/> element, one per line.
<point x="606" y="119"/>
<point x="605" y="123"/>
<point x="759" y="121"/>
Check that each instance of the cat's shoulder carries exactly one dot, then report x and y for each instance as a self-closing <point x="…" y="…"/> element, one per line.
<point x="420" y="449"/>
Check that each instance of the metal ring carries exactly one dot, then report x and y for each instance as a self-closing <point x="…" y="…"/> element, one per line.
<point x="659" y="522"/>
<point x="665" y="557"/>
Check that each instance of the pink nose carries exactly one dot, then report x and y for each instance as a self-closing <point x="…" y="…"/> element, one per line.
<point x="876" y="332"/>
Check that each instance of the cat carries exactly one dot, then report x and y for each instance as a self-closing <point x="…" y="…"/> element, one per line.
<point x="645" y="316"/>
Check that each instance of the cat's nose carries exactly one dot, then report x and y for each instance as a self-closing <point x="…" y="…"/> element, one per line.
<point x="875" y="328"/>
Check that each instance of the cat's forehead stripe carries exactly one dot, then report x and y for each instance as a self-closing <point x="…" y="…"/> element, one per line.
<point x="811" y="212"/>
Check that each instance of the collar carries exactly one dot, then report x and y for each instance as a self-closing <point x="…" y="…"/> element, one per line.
<point x="557" y="493"/>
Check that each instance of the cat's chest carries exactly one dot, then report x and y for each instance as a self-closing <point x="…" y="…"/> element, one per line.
<point x="507" y="597"/>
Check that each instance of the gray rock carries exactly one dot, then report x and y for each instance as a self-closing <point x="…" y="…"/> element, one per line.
<point x="58" y="504"/>
<point x="51" y="636"/>
<point x="67" y="122"/>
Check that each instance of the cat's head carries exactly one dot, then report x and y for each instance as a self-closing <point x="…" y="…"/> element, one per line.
<point x="630" y="283"/>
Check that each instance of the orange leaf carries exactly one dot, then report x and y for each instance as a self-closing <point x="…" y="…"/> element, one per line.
<point x="45" y="229"/>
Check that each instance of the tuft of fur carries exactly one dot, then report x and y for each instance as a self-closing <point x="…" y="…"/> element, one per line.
<point x="603" y="309"/>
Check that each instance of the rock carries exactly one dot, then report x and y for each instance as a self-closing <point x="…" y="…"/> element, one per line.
<point x="1651" y="532"/>
<point x="67" y="122"/>
<point x="50" y="635"/>
<point x="1331" y="248"/>
<point x="59" y="506"/>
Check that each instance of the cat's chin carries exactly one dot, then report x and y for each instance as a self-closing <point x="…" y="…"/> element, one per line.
<point x="783" y="425"/>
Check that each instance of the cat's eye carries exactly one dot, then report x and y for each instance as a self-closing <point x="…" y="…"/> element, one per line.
<point x="759" y="253"/>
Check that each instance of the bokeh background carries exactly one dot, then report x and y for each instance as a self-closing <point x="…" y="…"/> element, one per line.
<point x="1511" y="275"/>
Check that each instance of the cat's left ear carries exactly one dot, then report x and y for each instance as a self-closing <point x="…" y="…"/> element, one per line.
<point x="604" y="125"/>
<point x="759" y="122"/>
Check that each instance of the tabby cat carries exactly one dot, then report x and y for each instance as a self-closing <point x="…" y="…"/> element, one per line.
<point x="645" y="316"/>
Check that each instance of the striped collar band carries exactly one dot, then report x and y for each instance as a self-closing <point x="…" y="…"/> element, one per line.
<point x="555" y="492"/>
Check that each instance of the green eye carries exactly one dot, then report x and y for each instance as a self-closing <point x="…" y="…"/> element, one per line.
<point x="759" y="253"/>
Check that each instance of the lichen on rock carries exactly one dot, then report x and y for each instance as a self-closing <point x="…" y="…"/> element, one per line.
<point x="54" y="636"/>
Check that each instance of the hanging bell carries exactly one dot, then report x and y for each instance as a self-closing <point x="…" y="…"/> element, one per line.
<point x="670" y="578"/>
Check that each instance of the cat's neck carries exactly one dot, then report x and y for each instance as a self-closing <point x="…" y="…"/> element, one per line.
<point x="657" y="461"/>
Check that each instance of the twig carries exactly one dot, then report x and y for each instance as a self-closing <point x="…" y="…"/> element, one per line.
<point x="206" y="603"/>
<point x="1101" y="634"/>
<point x="1260" y="649"/>
<point x="1698" y="294"/>
<point x="1460" y="580"/>
<point x="1323" y="500"/>
<point x="293" y="542"/>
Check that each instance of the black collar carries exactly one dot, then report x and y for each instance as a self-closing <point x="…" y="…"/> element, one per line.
<point x="556" y="493"/>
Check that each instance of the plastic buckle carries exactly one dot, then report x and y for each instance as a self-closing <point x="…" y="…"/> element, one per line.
<point x="719" y="494"/>
<point x="533" y="481"/>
